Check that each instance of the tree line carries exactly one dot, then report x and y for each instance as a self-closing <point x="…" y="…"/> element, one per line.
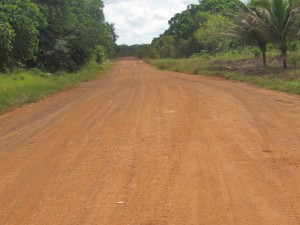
<point x="54" y="35"/>
<point x="214" y="26"/>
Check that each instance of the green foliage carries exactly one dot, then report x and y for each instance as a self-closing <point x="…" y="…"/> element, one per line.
<point x="100" y="54"/>
<point x="125" y="50"/>
<point x="75" y="28"/>
<point x="288" y="81"/>
<point x="22" y="20"/>
<point x="211" y="35"/>
<point x="280" y="16"/>
<point x="215" y="26"/>
<point x="164" y="47"/>
<point x="182" y="27"/>
<point x="183" y="24"/>
<point x="220" y="6"/>
<point x="22" y="87"/>
<point x="7" y="35"/>
<point x="249" y="28"/>
<point x="140" y="51"/>
<point x="256" y="52"/>
<point x="53" y="35"/>
<point x="143" y="51"/>
<point x="189" y="29"/>
<point x="294" y="46"/>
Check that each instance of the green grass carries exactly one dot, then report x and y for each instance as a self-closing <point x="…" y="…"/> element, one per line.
<point x="23" y="87"/>
<point x="239" y="67"/>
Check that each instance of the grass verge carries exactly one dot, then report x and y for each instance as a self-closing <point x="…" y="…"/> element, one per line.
<point x="238" y="67"/>
<point x="23" y="87"/>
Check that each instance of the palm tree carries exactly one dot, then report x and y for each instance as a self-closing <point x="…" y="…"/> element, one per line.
<point x="279" y="16"/>
<point x="250" y="29"/>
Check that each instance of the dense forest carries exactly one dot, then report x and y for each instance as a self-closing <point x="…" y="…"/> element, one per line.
<point x="54" y="35"/>
<point x="215" y="26"/>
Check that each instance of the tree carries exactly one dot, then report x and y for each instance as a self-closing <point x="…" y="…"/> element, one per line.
<point x="140" y="51"/>
<point x="279" y="16"/>
<point x="22" y="19"/>
<point x="250" y="29"/>
<point x="211" y="35"/>
<point x="107" y="38"/>
<point x="75" y="29"/>
<point x="164" y="47"/>
<point x="100" y="54"/>
<point x="184" y="25"/>
<point x="220" y="6"/>
<point x="53" y="35"/>
<point x="143" y="51"/>
<point x="7" y="35"/>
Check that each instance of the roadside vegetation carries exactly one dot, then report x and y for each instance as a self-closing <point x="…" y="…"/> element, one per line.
<point x="257" y="42"/>
<point x="27" y="86"/>
<point x="237" y="66"/>
<point x="54" y="35"/>
<point x="48" y="46"/>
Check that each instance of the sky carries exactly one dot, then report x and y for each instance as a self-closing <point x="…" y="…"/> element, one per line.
<point x="139" y="21"/>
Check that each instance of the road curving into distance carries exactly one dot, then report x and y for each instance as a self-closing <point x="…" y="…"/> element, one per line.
<point x="143" y="146"/>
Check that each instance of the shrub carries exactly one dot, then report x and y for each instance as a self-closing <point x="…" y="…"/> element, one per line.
<point x="100" y="54"/>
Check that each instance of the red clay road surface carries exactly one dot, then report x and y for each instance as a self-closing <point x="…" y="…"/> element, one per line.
<point x="143" y="146"/>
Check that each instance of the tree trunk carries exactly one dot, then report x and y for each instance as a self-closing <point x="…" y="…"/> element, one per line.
<point x="283" y="55"/>
<point x="284" y="61"/>
<point x="12" y="61"/>
<point x="263" y="48"/>
<point x="264" y="58"/>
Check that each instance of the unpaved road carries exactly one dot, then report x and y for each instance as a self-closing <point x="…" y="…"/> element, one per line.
<point x="147" y="147"/>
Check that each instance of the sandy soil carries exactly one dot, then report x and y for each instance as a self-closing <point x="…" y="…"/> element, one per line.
<point x="147" y="147"/>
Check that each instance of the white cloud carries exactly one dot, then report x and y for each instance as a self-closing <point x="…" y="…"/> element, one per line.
<point x="139" y="21"/>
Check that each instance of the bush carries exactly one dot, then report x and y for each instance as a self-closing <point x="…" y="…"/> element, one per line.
<point x="256" y="52"/>
<point x="100" y="54"/>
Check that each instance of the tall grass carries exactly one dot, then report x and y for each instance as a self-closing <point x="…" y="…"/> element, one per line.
<point x="22" y="87"/>
<point x="236" y="67"/>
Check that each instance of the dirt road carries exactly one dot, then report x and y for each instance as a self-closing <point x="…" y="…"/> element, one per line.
<point x="147" y="147"/>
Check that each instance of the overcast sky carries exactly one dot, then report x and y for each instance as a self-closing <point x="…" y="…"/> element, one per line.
<point x="139" y="21"/>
